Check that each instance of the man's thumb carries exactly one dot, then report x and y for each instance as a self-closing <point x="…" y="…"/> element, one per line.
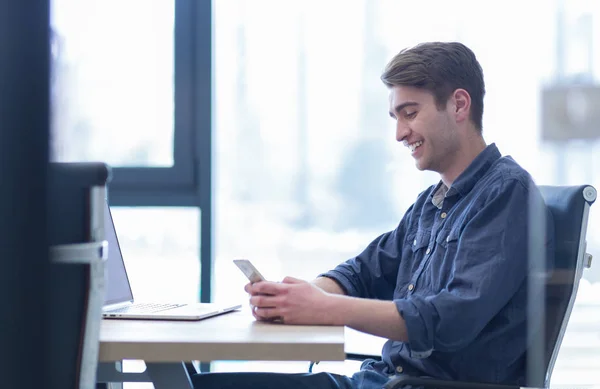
<point x="292" y="280"/>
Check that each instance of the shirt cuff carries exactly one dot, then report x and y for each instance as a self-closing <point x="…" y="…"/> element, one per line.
<point x="344" y="280"/>
<point x="420" y="337"/>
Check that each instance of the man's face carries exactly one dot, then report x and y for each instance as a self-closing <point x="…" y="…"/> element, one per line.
<point x="430" y="134"/>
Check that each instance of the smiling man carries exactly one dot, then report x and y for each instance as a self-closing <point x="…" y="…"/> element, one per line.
<point x="448" y="286"/>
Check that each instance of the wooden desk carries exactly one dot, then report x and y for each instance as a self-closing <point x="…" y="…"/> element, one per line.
<point x="163" y="345"/>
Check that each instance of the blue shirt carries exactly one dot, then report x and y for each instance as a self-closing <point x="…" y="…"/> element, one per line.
<point x="456" y="267"/>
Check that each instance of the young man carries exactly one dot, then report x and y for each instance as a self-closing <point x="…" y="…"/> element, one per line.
<point x="448" y="286"/>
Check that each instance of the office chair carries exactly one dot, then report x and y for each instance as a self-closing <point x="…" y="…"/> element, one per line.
<point x="76" y="196"/>
<point x="569" y="206"/>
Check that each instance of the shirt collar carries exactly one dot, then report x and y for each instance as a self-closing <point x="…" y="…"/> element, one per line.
<point x="439" y="193"/>
<point x="468" y="178"/>
<point x="477" y="169"/>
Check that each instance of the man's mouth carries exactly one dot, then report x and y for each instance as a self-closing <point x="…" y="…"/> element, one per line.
<point x="413" y="146"/>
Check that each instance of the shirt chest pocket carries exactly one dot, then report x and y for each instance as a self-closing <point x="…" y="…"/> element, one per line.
<point x="420" y="248"/>
<point x="419" y="241"/>
<point x="415" y="251"/>
<point x="437" y="270"/>
<point x="447" y="239"/>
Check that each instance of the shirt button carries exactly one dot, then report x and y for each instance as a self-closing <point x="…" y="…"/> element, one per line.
<point x="414" y="242"/>
<point x="448" y="238"/>
<point x="427" y="251"/>
<point x="411" y="287"/>
<point x="443" y="215"/>
<point x="399" y="369"/>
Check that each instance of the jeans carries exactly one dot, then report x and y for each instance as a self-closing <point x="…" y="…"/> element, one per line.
<point x="364" y="379"/>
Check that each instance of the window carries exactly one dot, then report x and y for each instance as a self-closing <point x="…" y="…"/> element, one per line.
<point x="125" y="96"/>
<point x="114" y="83"/>
<point x="307" y="168"/>
<point x="125" y="85"/>
<point x="160" y="247"/>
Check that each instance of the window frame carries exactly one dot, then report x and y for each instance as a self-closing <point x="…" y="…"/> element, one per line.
<point x="188" y="183"/>
<point x="190" y="71"/>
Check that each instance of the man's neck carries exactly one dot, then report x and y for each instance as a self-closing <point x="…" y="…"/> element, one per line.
<point x="472" y="148"/>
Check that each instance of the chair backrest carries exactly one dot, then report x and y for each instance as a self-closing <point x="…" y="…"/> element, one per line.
<point x="76" y="198"/>
<point x="569" y="206"/>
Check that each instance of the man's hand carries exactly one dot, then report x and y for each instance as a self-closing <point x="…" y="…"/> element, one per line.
<point x="294" y="301"/>
<point x="291" y="301"/>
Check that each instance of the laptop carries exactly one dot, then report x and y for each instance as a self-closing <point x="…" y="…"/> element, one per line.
<point x="119" y="303"/>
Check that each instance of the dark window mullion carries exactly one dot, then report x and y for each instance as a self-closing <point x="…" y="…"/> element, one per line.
<point x="204" y="149"/>
<point x="185" y="75"/>
<point x="181" y="176"/>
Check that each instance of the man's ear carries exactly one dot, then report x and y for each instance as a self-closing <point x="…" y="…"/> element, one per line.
<point x="462" y="105"/>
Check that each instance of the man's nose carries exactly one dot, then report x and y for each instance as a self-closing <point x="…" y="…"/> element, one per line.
<point x="402" y="132"/>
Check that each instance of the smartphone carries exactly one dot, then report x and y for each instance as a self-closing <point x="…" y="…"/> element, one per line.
<point x="249" y="270"/>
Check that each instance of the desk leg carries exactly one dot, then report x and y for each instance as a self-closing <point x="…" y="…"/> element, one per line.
<point x="169" y="375"/>
<point x="162" y="375"/>
<point x="111" y="373"/>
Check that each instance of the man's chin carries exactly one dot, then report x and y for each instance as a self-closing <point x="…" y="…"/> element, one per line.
<point x="421" y="165"/>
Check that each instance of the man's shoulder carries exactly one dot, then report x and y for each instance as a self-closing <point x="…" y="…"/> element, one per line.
<point x="507" y="171"/>
<point x="504" y="178"/>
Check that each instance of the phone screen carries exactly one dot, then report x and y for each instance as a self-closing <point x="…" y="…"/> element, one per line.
<point x="249" y="270"/>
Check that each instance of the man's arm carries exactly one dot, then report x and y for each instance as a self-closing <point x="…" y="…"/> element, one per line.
<point x="372" y="273"/>
<point x="491" y="267"/>
<point x="328" y="285"/>
<point x="375" y="317"/>
<point x="300" y="302"/>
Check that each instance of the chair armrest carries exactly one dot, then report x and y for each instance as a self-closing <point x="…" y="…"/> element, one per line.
<point x="362" y="357"/>
<point x="431" y="383"/>
<point x="191" y="369"/>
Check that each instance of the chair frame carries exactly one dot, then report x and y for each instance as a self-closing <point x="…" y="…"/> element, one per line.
<point x="94" y="254"/>
<point x="583" y="261"/>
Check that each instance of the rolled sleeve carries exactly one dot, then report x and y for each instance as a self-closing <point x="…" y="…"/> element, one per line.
<point x="372" y="274"/>
<point x="344" y="277"/>
<point x="420" y="337"/>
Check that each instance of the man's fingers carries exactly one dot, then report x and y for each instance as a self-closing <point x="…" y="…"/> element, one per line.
<point x="256" y="288"/>
<point x="257" y="316"/>
<point x="267" y="287"/>
<point x="263" y="301"/>
<point x="268" y="313"/>
<point x="266" y="298"/>
<point x="292" y="280"/>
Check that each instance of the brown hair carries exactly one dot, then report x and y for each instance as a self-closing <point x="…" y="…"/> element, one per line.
<point x="440" y="68"/>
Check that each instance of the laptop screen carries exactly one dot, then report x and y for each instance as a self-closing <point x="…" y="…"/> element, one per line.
<point x="118" y="289"/>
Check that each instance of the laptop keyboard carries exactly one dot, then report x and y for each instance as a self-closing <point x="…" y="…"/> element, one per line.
<point x="145" y="308"/>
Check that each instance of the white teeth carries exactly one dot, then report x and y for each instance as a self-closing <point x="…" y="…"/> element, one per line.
<point x="414" y="146"/>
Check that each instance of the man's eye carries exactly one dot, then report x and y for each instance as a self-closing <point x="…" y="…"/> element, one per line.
<point x="410" y="115"/>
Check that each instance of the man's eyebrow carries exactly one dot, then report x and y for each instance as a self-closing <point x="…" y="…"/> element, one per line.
<point x="400" y="107"/>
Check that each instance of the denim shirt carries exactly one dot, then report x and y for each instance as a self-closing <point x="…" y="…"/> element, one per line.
<point x="456" y="268"/>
